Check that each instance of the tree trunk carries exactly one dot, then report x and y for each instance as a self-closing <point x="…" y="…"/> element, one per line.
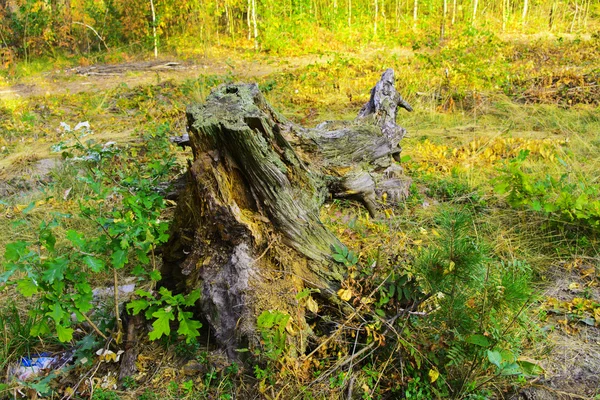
<point x="552" y="15"/>
<point x="255" y="24"/>
<point x="154" y="29"/>
<point x="247" y="228"/>
<point x="375" y="19"/>
<point x="415" y="9"/>
<point x="443" y="24"/>
<point x="349" y="13"/>
<point x="524" y="15"/>
<point x="453" y="12"/>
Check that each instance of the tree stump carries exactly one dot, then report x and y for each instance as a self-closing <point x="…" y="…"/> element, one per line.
<point x="247" y="228"/>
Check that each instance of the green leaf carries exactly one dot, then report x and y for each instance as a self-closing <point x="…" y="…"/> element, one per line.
<point x="14" y="251"/>
<point x="48" y="238"/>
<point x="187" y="326"/>
<point x="143" y="293"/>
<point x="76" y="238"/>
<point x="502" y="187"/>
<point x="57" y="313"/>
<point x="303" y="293"/>
<point x="495" y="358"/>
<point x="64" y="334"/>
<point x="138" y="270"/>
<point x="55" y="269"/>
<point x="27" y="287"/>
<point x="40" y="329"/>
<point x="138" y="305"/>
<point x="588" y="321"/>
<point x="155" y="275"/>
<point x="339" y="258"/>
<point x="83" y="298"/>
<point x="508" y="357"/>
<point x="536" y="206"/>
<point x="192" y="298"/>
<point x="5" y="276"/>
<point x="530" y="368"/>
<point x="265" y="320"/>
<point x="95" y="264"/>
<point x="511" y="369"/>
<point x="142" y="257"/>
<point x="119" y="258"/>
<point x="478" y="340"/>
<point x="28" y="209"/>
<point x="42" y="387"/>
<point x="162" y="323"/>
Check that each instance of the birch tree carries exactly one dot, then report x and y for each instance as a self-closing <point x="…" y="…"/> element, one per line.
<point x="444" y="13"/>
<point x="415" y="8"/>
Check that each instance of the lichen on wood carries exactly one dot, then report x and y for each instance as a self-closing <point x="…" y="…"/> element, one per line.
<point x="247" y="229"/>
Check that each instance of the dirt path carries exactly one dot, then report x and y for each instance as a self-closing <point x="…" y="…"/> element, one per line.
<point x="105" y="77"/>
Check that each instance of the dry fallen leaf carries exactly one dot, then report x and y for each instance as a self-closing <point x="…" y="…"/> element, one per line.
<point x="344" y="294"/>
<point x="312" y="305"/>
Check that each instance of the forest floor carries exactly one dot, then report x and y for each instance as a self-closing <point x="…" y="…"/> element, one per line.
<point x="451" y="154"/>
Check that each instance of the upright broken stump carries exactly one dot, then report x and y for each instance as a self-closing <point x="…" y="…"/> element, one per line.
<point x="247" y="229"/>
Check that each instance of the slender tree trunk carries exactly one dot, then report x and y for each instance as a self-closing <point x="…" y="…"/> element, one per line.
<point x="524" y="15"/>
<point x="229" y="20"/>
<point x="453" y="12"/>
<point x="248" y="14"/>
<point x="415" y="11"/>
<point x="349" y="13"/>
<point x="586" y="12"/>
<point x="574" y="17"/>
<point x="255" y="25"/>
<point x="552" y="15"/>
<point x="503" y="15"/>
<point x="154" y="29"/>
<point x="68" y="14"/>
<point x="383" y="16"/>
<point x="444" y="13"/>
<point x="376" y="16"/>
<point x="475" y="3"/>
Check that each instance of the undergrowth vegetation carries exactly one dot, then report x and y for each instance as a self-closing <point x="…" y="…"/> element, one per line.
<point x="444" y="295"/>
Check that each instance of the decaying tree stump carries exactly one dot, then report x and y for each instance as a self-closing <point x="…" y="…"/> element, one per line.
<point x="247" y="229"/>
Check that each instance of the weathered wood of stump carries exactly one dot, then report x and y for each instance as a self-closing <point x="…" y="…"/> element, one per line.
<point x="247" y="230"/>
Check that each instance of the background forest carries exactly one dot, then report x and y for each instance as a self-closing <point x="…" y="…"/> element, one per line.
<point x="482" y="283"/>
<point x="33" y="28"/>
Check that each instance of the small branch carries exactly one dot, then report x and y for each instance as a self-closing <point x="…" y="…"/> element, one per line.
<point x="94" y="326"/>
<point x="93" y="30"/>
<point x="117" y="316"/>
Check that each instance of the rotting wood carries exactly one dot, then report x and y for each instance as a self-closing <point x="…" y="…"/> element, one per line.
<point x="247" y="228"/>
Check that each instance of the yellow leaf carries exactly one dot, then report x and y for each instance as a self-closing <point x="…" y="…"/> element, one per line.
<point x="344" y="294"/>
<point x="451" y="266"/>
<point x="433" y="375"/>
<point x="574" y="286"/>
<point x="312" y="305"/>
